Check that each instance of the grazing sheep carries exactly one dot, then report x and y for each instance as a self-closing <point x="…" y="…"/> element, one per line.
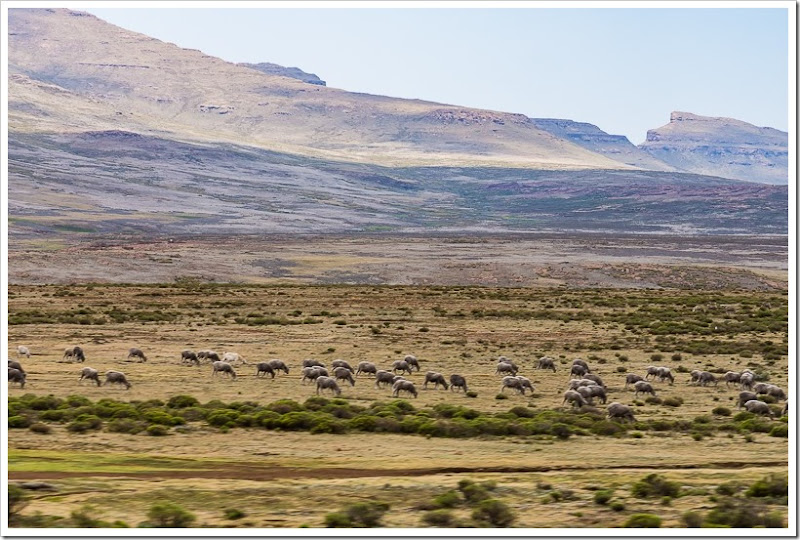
<point x="218" y="366"/>
<point x="278" y="365"/>
<point x="574" y="397"/>
<point x="595" y="391"/>
<point x="342" y="363"/>
<point x="262" y="368"/>
<point x="512" y="382"/>
<point x="576" y="383"/>
<point x="643" y="387"/>
<point x="212" y="356"/>
<point x="545" y="362"/>
<point x="506" y="367"/>
<point x="651" y="370"/>
<point x="694" y="376"/>
<point x="746" y="380"/>
<point x="586" y="393"/>
<point x="618" y="410"/>
<point x="22" y="350"/>
<point x="525" y="383"/>
<point x="233" y="357"/>
<point x="758" y="407"/>
<point x="582" y="363"/>
<point x="744" y="397"/>
<point x="75" y="353"/>
<point x="412" y="361"/>
<point x="17" y="376"/>
<point x="310" y="362"/>
<point x="189" y="356"/>
<point x="401" y="365"/>
<point x="776" y="392"/>
<point x="312" y="373"/>
<point x="595" y="378"/>
<point x="632" y="378"/>
<point x="457" y="381"/>
<point x="202" y="355"/>
<point x="578" y="370"/>
<point x="117" y="377"/>
<point x="90" y="374"/>
<point x="705" y="378"/>
<point x="366" y="367"/>
<point x="761" y="388"/>
<point x="16" y="365"/>
<point x="328" y="383"/>
<point x="664" y="373"/>
<point x="384" y="377"/>
<point x="341" y="373"/>
<point x="405" y="386"/>
<point x="731" y="377"/>
<point x="436" y="379"/>
<point x="136" y="353"/>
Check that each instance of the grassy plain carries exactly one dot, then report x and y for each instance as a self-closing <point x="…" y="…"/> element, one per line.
<point x="294" y="478"/>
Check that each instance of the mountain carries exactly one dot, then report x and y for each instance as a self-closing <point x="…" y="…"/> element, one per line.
<point x="591" y="137"/>
<point x="116" y="79"/>
<point x="292" y="72"/>
<point x="721" y="147"/>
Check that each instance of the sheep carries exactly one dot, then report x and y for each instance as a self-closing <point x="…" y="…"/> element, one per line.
<point x="218" y="366"/>
<point x="586" y="393"/>
<point x="137" y="353"/>
<point x="595" y="378"/>
<point x="596" y="391"/>
<point x="545" y="362"/>
<point x="618" y="410"/>
<point x="276" y="365"/>
<point x="694" y="376"/>
<point x="366" y="367"/>
<point x="746" y="380"/>
<point x="664" y="373"/>
<point x="643" y="387"/>
<point x="512" y="382"/>
<point x="401" y="365"/>
<point x="506" y="367"/>
<point x="310" y="362"/>
<point x="412" y="361"/>
<point x="705" y="378"/>
<point x="344" y="374"/>
<point x="574" y="397"/>
<point x="90" y="374"/>
<point x="312" y="373"/>
<point x="75" y="353"/>
<point x="731" y="377"/>
<point x="578" y="370"/>
<point x="328" y="383"/>
<point x="16" y="365"/>
<point x="776" y="392"/>
<point x="761" y="388"/>
<point x="525" y="383"/>
<point x="632" y="378"/>
<point x="405" y="386"/>
<point x="212" y="357"/>
<point x="17" y="376"/>
<point x="262" y="368"/>
<point x="382" y="376"/>
<point x="457" y="381"/>
<point x="745" y="396"/>
<point x="576" y="383"/>
<point x="190" y="356"/>
<point x="233" y="357"/>
<point x="117" y="377"/>
<point x="651" y="370"/>
<point x="758" y="407"/>
<point x="582" y="363"/>
<point x="202" y="355"/>
<point x="22" y="350"/>
<point x="342" y="363"/>
<point x="436" y="379"/>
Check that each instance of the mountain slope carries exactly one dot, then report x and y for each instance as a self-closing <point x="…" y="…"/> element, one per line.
<point x="119" y="78"/>
<point x="721" y="147"/>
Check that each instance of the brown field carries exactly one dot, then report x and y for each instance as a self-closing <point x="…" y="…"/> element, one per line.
<point x="289" y="479"/>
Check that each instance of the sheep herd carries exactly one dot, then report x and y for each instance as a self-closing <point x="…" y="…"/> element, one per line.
<point x="580" y="391"/>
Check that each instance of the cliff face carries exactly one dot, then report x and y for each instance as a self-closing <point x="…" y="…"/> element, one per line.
<point x="591" y="137"/>
<point x="721" y="147"/>
<point x="292" y="72"/>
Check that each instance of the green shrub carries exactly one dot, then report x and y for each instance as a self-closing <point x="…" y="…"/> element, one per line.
<point x="617" y="506"/>
<point x="163" y="418"/>
<point x="39" y="427"/>
<point x="19" y="422"/>
<point x="283" y="406"/>
<point x="672" y="401"/>
<point x="157" y="430"/>
<point x="438" y="518"/>
<point x="366" y="514"/>
<point x="692" y="520"/>
<point x="125" y="425"/>
<point x="17" y="500"/>
<point x="233" y="513"/>
<point x="337" y="520"/>
<point x="169" y="514"/>
<point x="495" y="513"/>
<point x="729" y="488"/>
<point x="473" y="493"/>
<point x="501" y="396"/>
<point x="182" y="402"/>
<point x="721" y="411"/>
<point x="602" y="496"/>
<point x="472" y="394"/>
<point x="83" y="519"/>
<point x="655" y="485"/>
<point x="45" y="403"/>
<point x="744" y="513"/>
<point x="643" y="521"/>
<point x="780" y="430"/>
<point x="84" y="423"/>
<point x="448" y="499"/>
<point x="773" y="485"/>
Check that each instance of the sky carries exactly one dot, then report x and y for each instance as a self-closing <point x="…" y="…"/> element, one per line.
<point x="622" y="69"/>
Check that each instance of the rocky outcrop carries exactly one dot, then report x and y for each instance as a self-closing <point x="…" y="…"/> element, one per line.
<point x="292" y="72"/>
<point x="721" y="147"/>
<point x="591" y="137"/>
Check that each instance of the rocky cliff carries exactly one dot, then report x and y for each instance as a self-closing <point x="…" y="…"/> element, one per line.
<point x="292" y="72"/>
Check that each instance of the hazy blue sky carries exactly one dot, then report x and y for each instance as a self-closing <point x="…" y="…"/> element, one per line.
<point x="622" y="69"/>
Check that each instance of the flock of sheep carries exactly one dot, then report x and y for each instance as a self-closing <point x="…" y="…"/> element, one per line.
<point x="580" y="391"/>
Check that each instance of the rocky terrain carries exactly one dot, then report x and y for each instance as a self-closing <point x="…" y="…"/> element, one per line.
<point x="293" y="72"/>
<point x="722" y="147"/>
